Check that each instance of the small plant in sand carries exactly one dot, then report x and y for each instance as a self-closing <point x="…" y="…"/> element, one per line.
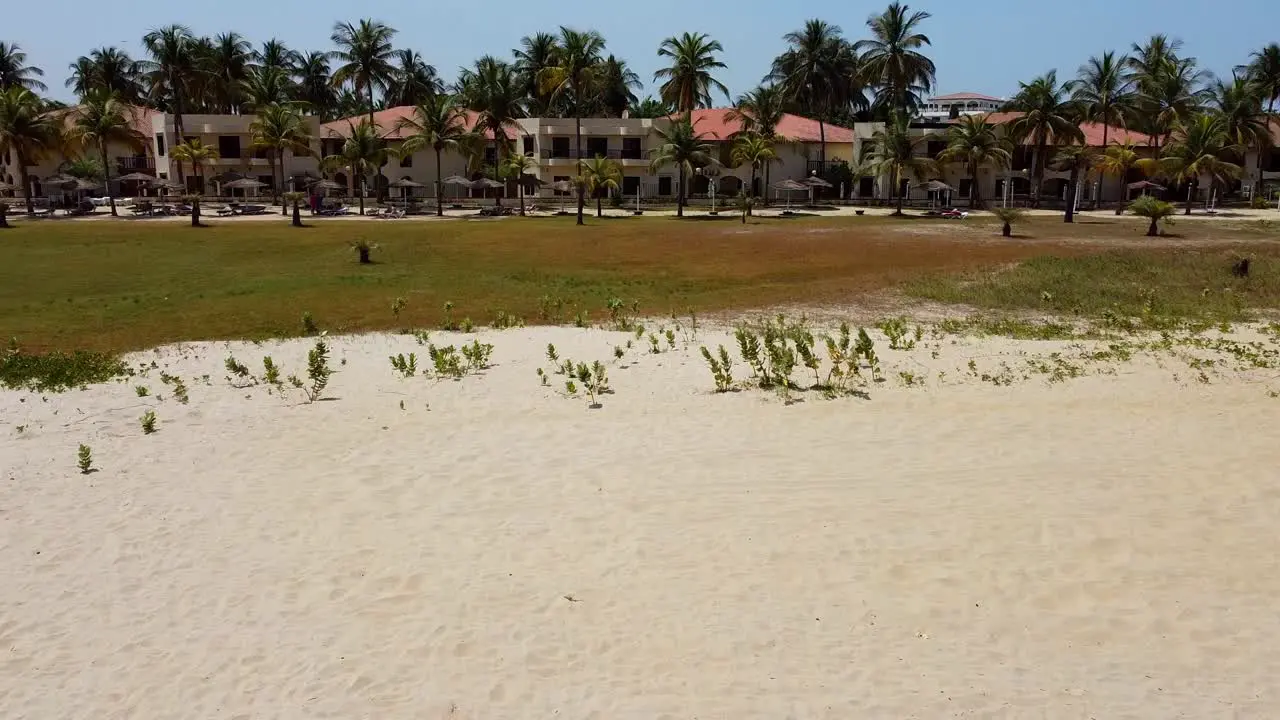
<point x="309" y="326"/>
<point x="406" y="366"/>
<point x="239" y="376"/>
<point x="551" y="310"/>
<point x="422" y="336"/>
<point x="619" y="317"/>
<point x="363" y="250"/>
<point x="141" y="390"/>
<point x="449" y="324"/>
<point x="721" y="368"/>
<point x="84" y="459"/>
<point x="466" y="325"/>
<point x="910" y="379"/>
<point x="503" y="320"/>
<point x="552" y="355"/>
<point x="397" y="306"/>
<point x="477" y="355"/>
<point x="446" y="361"/>
<point x="594" y="382"/>
<point x="148" y="422"/>
<point x="178" y="386"/>
<point x="318" y="370"/>
<point x="900" y="337"/>
<point x="845" y="362"/>
<point x="542" y="378"/>
<point x="866" y="349"/>
<point x="580" y="320"/>
<point x="619" y="352"/>
<point x="639" y="332"/>
<point x="271" y="373"/>
<point x="655" y="345"/>
<point x="670" y="335"/>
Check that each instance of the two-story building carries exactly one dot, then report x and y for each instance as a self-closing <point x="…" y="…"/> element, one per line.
<point x="941" y="108"/>
<point x="231" y="136"/>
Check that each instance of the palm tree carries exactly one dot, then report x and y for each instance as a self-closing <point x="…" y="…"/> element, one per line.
<point x="1197" y="148"/>
<point x="687" y="80"/>
<point x="493" y="91"/>
<point x="684" y="147"/>
<point x="81" y="78"/>
<point x="755" y="150"/>
<point x="809" y="73"/>
<point x="599" y="174"/>
<point x="618" y="85"/>
<point x="438" y="123"/>
<point x="1103" y="91"/>
<point x="414" y="80"/>
<point x="1078" y="160"/>
<point x="1247" y="123"/>
<point x="1264" y="71"/>
<point x="517" y="166"/>
<point x="278" y="128"/>
<point x="575" y="74"/>
<point x="1117" y="160"/>
<point x="313" y="85"/>
<point x="362" y="152"/>
<point x="275" y="54"/>
<point x="102" y="119"/>
<point x="894" y="155"/>
<point x="760" y="111"/>
<point x="366" y="56"/>
<point x="649" y="108"/>
<point x="15" y="72"/>
<point x="109" y="69"/>
<point x="536" y="53"/>
<point x="27" y="132"/>
<point x="173" y="61"/>
<point x="1174" y="97"/>
<point x="265" y="86"/>
<point x="975" y="143"/>
<point x="1046" y="116"/>
<point x="196" y="153"/>
<point x="227" y="69"/>
<point x="1007" y="217"/>
<point x="1157" y="210"/>
<point x="893" y="60"/>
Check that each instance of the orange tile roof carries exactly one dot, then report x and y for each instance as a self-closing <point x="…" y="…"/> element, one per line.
<point x="387" y="122"/>
<point x="1092" y="131"/>
<point x="965" y="96"/>
<point x="715" y="123"/>
<point x="139" y="117"/>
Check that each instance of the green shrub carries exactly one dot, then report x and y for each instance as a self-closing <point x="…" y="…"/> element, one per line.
<point x="57" y="371"/>
<point x="721" y="368"/>
<point x="477" y="355"/>
<point x="148" y="422"/>
<point x="318" y="370"/>
<point x="407" y="367"/>
<point x="84" y="459"/>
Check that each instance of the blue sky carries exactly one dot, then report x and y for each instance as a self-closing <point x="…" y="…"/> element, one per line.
<point x="982" y="46"/>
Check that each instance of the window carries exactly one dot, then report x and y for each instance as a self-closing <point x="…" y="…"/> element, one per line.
<point x="664" y="184"/>
<point x="559" y="147"/>
<point x="229" y="146"/>
<point x="560" y="178"/>
<point x="267" y="180"/>
<point x="527" y="147"/>
<point x="160" y="144"/>
<point x="866" y="187"/>
<point x="966" y="188"/>
<point x="406" y="161"/>
<point x="491" y="155"/>
<point x="597" y="147"/>
<point x="935" y="147"/>
<point x="630" y="185"/>
<point x="631" y="148"/>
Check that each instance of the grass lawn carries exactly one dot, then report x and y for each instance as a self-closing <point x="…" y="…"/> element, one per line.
<point x="124" y="285"/>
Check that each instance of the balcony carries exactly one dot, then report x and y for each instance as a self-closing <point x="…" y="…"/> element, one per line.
<point x="587" y="154"/>
<point x="138" y="163"/>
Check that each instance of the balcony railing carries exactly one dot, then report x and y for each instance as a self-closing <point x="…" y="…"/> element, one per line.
<point x="139" y="163"/>
<point x="587" y="153"/>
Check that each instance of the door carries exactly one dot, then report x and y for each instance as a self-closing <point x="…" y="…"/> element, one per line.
<point x="664" y="185"/>
<point x="630" y="186"/>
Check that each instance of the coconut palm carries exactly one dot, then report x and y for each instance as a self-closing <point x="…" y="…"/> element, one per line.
<point x="1150" y="207"/>
<point x="975" y="143"/>
<point x="109" y="69"/>
<point x="439" y="123"/>
<point x="575" y="75"/>
<point x="649" y="107"/>
<point x="618" y="84"/>
<point x="27" y="133"/>
<point x="198" y="154"/>
<point x="1103" y="92"/>
<point x="102" y="119"/>
<point x="172" y="62"/>
<point x="313" y="86"/>
<point x="810" y="73"/>
<point x="1117" y="160"/>
<point x="1239" y="102"/>
<point x="755" y="150"/>
<point x="1008" y="216"/>
<point x="892" y="58"/>
<point x="81" y="78"/>
<point x="414" y="80"/>
<point x="537" y="53"/>
<point x="1174" y="97"/>
<point x="1046" y="116"/>
<point x="280" y="128"/>
<point x="518" y="166"/>
<point x="1077" y="160"/>
<point x="1264" y="70"/>
<point x="275" y="54"/>
<point x="687" y="81"/>
<point x="265" y="86"/>
<point x="15" y="72"/>
<point x="493" y="91"/>
<point x="362" y="152"/>
<point x="894" y="155"/>
<point x="1196" y="149"/>
<point x="682" y="146"/>
<point x="366" y="57"/>
<point x="226" y="69"/>
<point x="600" y="174"/>
<point x="760" y="111"/>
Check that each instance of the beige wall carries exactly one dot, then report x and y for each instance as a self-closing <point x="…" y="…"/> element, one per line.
<point x="210" y="128"/>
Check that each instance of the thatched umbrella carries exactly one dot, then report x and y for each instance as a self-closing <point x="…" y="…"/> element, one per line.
<point x="405" y="185"/>
<point x="790" y="186"/>
<point x="458" y="180"/>
<point x="245" y="184"/>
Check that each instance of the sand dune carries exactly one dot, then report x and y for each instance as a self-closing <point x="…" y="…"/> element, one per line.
<point x="1103" y="547"/>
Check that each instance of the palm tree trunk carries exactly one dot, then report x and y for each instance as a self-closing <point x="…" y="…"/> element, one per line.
<point x="1069" y="215"/>
<point x="275" y="195"/>
<point x="4" y="214"/>
<point x="1191" y="194"/>
<point x="577" y="130"/>
<point x="26" y="182"/>
<point x="599" y="208"/>
<point x="106" y="177"/>
<point x="378" y="183"/>
<point x="752" y="194"/>
<point x="895" y="191"/>
<point x="1262" y="148"/>
<point x="1102" y="178"/>
<point x="439" y="187"/>
<point x="680" y="194"/>
<point x="520" y="189"/>
<point x="1037" y="172"/>
<point x="362" y="191"/>
<point x="822" y="144"/>
<point x="178" y="128"/>
<point x="975" y="188"/>
<point x="1153" y="229"/>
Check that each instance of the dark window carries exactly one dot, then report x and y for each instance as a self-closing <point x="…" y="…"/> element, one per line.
<point x="261" y="153"/>
<point x="1021" y="158"/>
<point x="528" y="145"/>
<point x="630" y="185"/>
<point x="406" y="161"/>
<point x="597" y="147"/>
<point x="936" y="147"/>
<point x="631" y="148"/>
<point x="559" y="147"/>
<point x="490" y="156"/>
<point x="966" y="188"/>
<point x="267" y="180"/>
<point x="1273" y="161"/>
<point x="560" y="178"/>
<point x="866" y="187"/>
<point x="190" y="139"/>
<point x="954" y="112"/>
<point x="160" y="143"/>
<point x="1000" y="188"/>
<point x="664" y="185"/>
<point x="229" y="146"/>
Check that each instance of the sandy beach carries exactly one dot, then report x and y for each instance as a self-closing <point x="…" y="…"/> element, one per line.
<point x="488" y="548"/>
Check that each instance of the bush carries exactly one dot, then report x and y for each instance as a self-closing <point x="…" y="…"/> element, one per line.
<point x="84" y="459"/>
<point x="721" y="368"/>
<point x="56" y="371"/>
<point x="1008" y="217"/>
<point x="318" y="370"/>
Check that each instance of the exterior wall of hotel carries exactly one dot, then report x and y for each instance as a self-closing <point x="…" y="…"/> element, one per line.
<point x="210" y="130"/>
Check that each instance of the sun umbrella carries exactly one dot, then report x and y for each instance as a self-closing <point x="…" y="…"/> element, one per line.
<point x="790" y="186"/>
<point x="136" y="177"/>
<point x="6" y="187"/>
<point x="936" y="186"/>
<point x="815" y="181"/>
<point x="326" y="185"/>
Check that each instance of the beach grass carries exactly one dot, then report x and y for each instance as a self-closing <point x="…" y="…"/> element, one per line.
<point x="115" y="286"/>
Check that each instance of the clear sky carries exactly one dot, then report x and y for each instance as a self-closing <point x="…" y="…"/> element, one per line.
<point x="982" y="46"/>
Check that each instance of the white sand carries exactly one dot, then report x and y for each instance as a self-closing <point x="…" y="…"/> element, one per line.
<point x="1104" y="547"/>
